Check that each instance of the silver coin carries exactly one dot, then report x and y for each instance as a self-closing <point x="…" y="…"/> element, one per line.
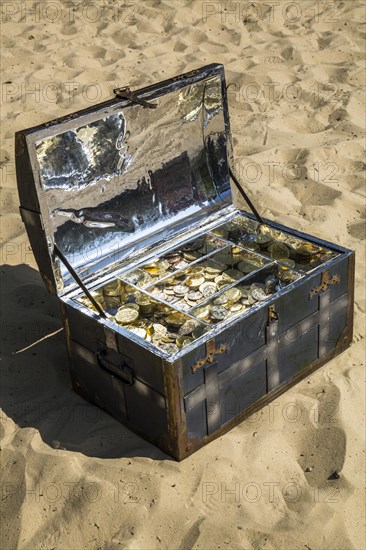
<point x="193" y="296"/>
<point x="258" y="292"/>
<point x="208" y="288"/>
<point x="219" y="313"/>
<point x="181" y="290"/>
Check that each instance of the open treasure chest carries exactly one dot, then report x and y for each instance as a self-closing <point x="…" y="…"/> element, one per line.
<point x="182" y="313"/>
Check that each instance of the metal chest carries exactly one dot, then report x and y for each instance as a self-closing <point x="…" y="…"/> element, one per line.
<point x="114" y="191"/>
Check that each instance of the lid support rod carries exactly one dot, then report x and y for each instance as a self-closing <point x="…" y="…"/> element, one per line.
<point x="245" y="197"/>
<point x="76" y="277"/>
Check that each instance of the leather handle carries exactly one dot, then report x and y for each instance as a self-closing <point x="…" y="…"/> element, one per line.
<point x="117" y="367"/>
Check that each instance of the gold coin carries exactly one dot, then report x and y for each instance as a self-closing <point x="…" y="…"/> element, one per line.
<point x="270" y="284"/>
<point x="132" y="305"/>
<point x="195" y="281"/>
<point x="126" y="315"/>
<point x="193" y="295"/>
<point x="289" y="276"/>
<point x="307" y="250"/>
<point x="188" y="327"/>
<point x="181" y="290"/>
<point x="169" y="290"/>
<point x="183" y="341"/>
<point x="220" y="280"/>
<point x="230" y="295"/>
<point x="220" y="232"/>
<point x="159" y="294"/>
<point x="195" y="270"/>
<point x="172" y="258"/>
<point x="251" y="300"/>
<point x="201" y="312"/>
<point x="209" y="276"/>
<point x="251" y="245"/>
<point x="201" y="329"/>
<point x="153" y="268"/>
<point x="287" y="262"/>
<point x="98" y="297"/>
<point x="236" y="307"/>
<point x="176" y="319"/>
<point x="278" y="250"/>
<point x="169" y="348"/>
<point x="161" y="309"/>
<point x="274" y="234"/>
<point x="159" y="329"/>
<point x="193" y="245"/>
<point x="112" y="289"/>
<point x="262" y="239"/>
<point x="191" y="256"/>
<point x="215" y="267"/>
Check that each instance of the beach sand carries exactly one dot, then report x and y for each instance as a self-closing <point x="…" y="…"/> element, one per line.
<point x="73" y="477"/>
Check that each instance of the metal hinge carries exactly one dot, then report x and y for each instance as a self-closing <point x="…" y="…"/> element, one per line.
<point x="125" y="93"/>
<point x="326" y="281"/>
<point x="211" y="351"/>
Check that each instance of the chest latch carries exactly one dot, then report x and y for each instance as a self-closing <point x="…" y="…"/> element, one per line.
<point x="211" y="351"/>
<point x="326" y="281"/>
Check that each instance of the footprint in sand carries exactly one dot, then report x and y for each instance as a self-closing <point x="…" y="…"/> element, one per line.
<point x="357" y="230"/>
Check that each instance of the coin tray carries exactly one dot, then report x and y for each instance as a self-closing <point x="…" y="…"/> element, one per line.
<point x="282" y="276"/>
<point x="175" y="260"/>
<point x="250" y="234"/>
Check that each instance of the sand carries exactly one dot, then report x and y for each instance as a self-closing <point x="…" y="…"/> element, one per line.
<point x="74" y="478"/>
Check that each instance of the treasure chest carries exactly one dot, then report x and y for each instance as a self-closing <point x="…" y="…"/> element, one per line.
<point x="183" y="314"/>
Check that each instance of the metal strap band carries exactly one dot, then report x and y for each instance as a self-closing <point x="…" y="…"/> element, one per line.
<point x="236" y="370"/>
<point x="213" y="410"/>
<point x="195" y="397"/>
<point x="273" y="373"/>
<point x="269" y="352"/>
<point x="324" y="317"/>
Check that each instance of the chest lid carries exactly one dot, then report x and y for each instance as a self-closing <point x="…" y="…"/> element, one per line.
<point x="109" y="180"/>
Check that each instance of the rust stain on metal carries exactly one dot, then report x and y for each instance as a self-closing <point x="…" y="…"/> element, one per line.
<point x="326" y="281"/>
<point x="272" y="314"/>
<point x="211" y="351"/>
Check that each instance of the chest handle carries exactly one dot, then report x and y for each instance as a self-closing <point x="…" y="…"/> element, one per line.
<point x="112" y="363"/>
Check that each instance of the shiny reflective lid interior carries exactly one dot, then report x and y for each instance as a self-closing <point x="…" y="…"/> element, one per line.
<point x="114" y="180"/>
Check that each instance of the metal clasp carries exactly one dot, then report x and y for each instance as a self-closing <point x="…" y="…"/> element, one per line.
<point x="326" y="281"/>
<point x="211" y="351"/>
<point x="125" y="93"/>
<point x="272" y="314"/>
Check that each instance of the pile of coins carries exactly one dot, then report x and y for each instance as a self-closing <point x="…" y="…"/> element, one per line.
<point x="186" y="292"/>
<point x="204" y="279"/>
<point x="236" y="300"/>
<point x="155" y="321"/>
<point x="175" y="260"/>
<point x="274" y="244"/>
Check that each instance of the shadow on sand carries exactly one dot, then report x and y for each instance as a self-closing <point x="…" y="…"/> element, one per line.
<point x="35" y="383"/>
